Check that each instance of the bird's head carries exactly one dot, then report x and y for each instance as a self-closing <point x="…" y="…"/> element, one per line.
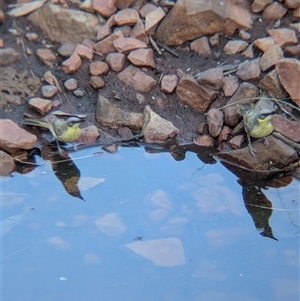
<point x="265" y="115"/>
<point x="74" y="121"/>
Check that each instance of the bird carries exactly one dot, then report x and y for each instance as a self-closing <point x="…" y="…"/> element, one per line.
<point x="257" y="122"/>
<point x="63" y="130"/>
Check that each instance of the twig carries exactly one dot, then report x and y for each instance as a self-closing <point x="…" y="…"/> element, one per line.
<point x="167" y="48"/>
<point x="155" y="45"/>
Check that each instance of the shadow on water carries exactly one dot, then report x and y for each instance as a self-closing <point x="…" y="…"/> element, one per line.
<point x="148" y="223"/>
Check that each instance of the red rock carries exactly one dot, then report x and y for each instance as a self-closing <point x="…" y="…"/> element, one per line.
<point x="104" y="7"/>
<point x="147" y="8"/>
<point x="169" y="83"/>
<point x="97" y="82"/>
<point x="71" y="64"/>
<point x="231" y="84"/>
<point x="274" y="11"/>
<point x="296" y="12"/>
<point x="142" y="57"/>
<point x="125" y="29"/>
<point x="84" y="51"/>
<point x="127" y="44"/>
<point x="139" y="33"/>
<point x="286" y="127"/>
<point x="105" y="29"/>
<point x="215" y="120"/>
<point x="204" y="140"/>
<point x="234" y="47"/>
<point x="236" y="141"/>
<point x="248" y="52"/>
<point x="259" y="5"/>
<point x="283" y="36"/>
<point x="105" y="46"/>
<point x="264" y="43"/>
<point x="98" y="68"/>
<point x="248" y="70"/>
<point x="89" y="134"/>
<point x="46" y="56"/>
<point x="127" y="16"/>
<point x="214" y="40"/>
<point x="212" y="78"/>
<point x="43" y="106"/>
<point x="293" y="51"/>
<point x="7" y="164"/>
<point x="224" y="133"/>
<point x="292" y="3"/>
<point x="1" y="43"/>
<point x="115" y="61"/>
<point x="201" y="46"/>
<point x="152" y="20"/>
<point x="270" y="57"/>
<point x="120" y="4"/>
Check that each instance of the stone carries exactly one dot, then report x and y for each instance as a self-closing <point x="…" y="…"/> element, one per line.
<point x="8" y="55"/>
<point x="138" y="32"/>
<point x="270" y="57"/>
<point x="293" y="51"/>
<point x="264" y="43"/>
<point x="127" y="44"/>
<point x="147" y="8"/>
<point x="244" y="94"/>
<point x="283" y="36"/>
<point x="214" y="40"/>
<point x="152" y="19"/>
<point x="271" y="84"/>
<point x="248" y="70"/>
<point x="126" y="16"/>
<point x="223" y="136"/>
<point x="105" y="8"/>
<point x="87" y="5"/>
<point x="259" y="5"/>
<point x="120" y="4"/>
<point x="71" y="64"/>
<point x="296" y="12"/>
<point x="70" y="84"/>
<point x="110" y="116"/>
<point x="89" y="134"/>
<point x="48" y="91"/>
<point x="274" y="11"/>
<point x="2" y="16"/>
<point x="215" y="120"/>
<point x="66" y="49"/>
<point x="43" y="106"/>
<point x="137" y="79"/>
<point x="142" y="57"/>
<point x="7" y="164"/>
<point x="196" y="18"/>
<point x="105" y="46"/>
<point x="191" y="93"/>
<point x="111" y="148"/>
<point x="295" y="26"/>
<point x="231" y="84"/>
<point x="46" y="56"/>
<point x="13" y="137"/>
<point x="1" y="44"/>
<point x="286" y="127"/>
<point x="235" y="46"/>
<point x="84" y="51"/>
<point x="98" y="68"/>
<point x="125" y="29"/>
<point x="288" y="72"/>
<point x="169" y="83"/>
<point x="204" y="140"/>
<point x="62" y="25"/>
<point x="212" y="78"/>
<point x="155" y="128"/>
<point x="245" y="35"/>
<point x="248" y="52"/>
<point x="31" y="36"/>
<point x="105" y="29"/>
<point x="97" y="82"/>
<point x="236" y="141"/>
<point x="25" y="8"/>
<point x="78" y="92"/>
<point x="115" y="61"/>
<point x="201" y="46"/>
<point x="140" y="98"/>
<point x="292" y="4"/>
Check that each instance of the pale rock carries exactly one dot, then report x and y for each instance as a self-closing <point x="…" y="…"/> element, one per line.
<point x="248" y="70"/>
<point x="231" y="84"/>
<point x="71" y="64"/>
<point x="155" y="128"/>
<point x="270" y="57"/>
<point x="142" y="57"/>
<point x="48" y="91"/>
<point x="214" y="40"/>
<point x="87" y="5"/>
<point x="84" y="51"/>
<point x="127" y="16"/>
<point x="283" y="36"/>
<point x="248" y="52"/>
<point x="169" y="83"/>
<point x="7" y="164"/>
<point x="138" y="32"/>
<point x="115" y="61"/>
<point x="292" y="4"/>
<point x="105" y="29"/>
<point x="70" y="84"/>
<point x="125" y="132"/>
<point x="286" y="127"/>
<point x="25" y="8"/>
<point x="288" y="72"/>
<point x="106" y="46"/>
<point x="137" y="79"/>
<point x="152" y="20"/>
<point x="259" y="5"/>
<point x="46" y="56"/>
<point x="236" y="141"/>
<point x="78" y="92"/>
<point x="140" y="98"/>
<point x="293" y="51"/>
<point x="212" y="78"/>
<point x="97" y="82"/>
<point x="295" y="26"/>
<point x="127" y="44"/>
<point x="264" y="43"/>
<point x="147" y="8"/>
<point x="121" y="4"/>
<point x="105" y="8"/>
<point x="215" y="120"/>
<point x="62" y="25"/>
<point x="98" y="68"/>
<point x="13" y="137"/>
<point x="43" y="106"/>
<point x="31" y="36"/>
<point x="8" y="55"/>
<point x="66" y="49"/>
<point x="271" y="84"/>
<point x="234" y="47"/>
<point x="296" y="12"/>
<point x="204" y="140"/>
<point x="110" y="116"/>
<point x="245" y="35"/>
<point x="201" y="46"/>
<point x="274" y="11"/>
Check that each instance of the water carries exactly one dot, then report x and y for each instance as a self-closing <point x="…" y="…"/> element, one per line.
<point x="142" y="226"/>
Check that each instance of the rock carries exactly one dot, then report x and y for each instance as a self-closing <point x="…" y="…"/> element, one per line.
<point x="84" y="51"/>
<point x="71" y="64"/>
<point x="242" y="95"/>
<point x="271" y="84"/>
<point x="115" y="61"/>
<point x="125" y="132"/>
<point x="274" y="11"/>
<point x="41" y="105"/>
<point x="62" y="25"/>
<point x="283" y="36"/>
<point x="201" y="46"/>
<point x="105" y="46"/>
<point x="105" y="29"/>
<point x="152" y="19"/>
<point x="125" y="29"/>
<point x="196" y="96"/>
<point x="259" y="5"/>
<point x="8" y="56"/>
<point x="87" y="5"/>
<point x="288" y="72"/>
<point x="126" y="16"/>
<point x="296" y="12"/>
<point x="46" y="56"/>
<point x="248" y="70"/>
<point x="1" y="45"/>
<point x="234" y="47"/>
<point x="105" y="8"/>
<point x="109" y="115"/>
<point x="7" y="164"/>
<point x="292" y="3"/>
<point x="224" y="133"/>
<point x="48" y="91"/>
<point x="78" y="92"/>
<point x="127" y="44"/>
<point x="70" y="84"/>
<point x="215" y="120"/>
<point x="139" y="33"/>
<point x="142" y="57"/>
<point x="270" y="57"/>
<point x="264" y="43"/>
<point x="137" y="79"/>
<point x="286" y="127"/>
<point x="293" y="51"/>
<point x="111" y="148"/>
<point x="13" y="137"/>
<point x="204" y="140"/>
<point x="25" y="8"/>
<point x="212" y="78"/>
<point x="97" y="82"/>
<point x="2" y="16"/>
<point x="169" y="83"/>
<point x="214" y="40"/>
<point x="295" y="26"/>
<point x="196" y="18"/>
<point x="98" y="68"/>
<point x="31" y="36"/>
<point x="120" y="4"/>
<point x="245" y="35"/>
<point x="140" y="98"/>
<point x="147" y="8"/>
<point x="155" y="128"/>
<point x="66" y="49"/>
<point x="88" y="134"/>
<point x="231" y="83"/>
<point x="236" y="141"/>
<point x="248" y="52"/>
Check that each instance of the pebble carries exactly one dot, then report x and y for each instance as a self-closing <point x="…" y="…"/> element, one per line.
<point x="70" y="84"/>
<point x="97" y="82"/>
<point x="32" y="36"/>
<point x="48" y="91"/>
<point x="78" y="92"/>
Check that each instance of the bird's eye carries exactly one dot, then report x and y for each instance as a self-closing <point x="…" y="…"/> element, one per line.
<point x="263" y="116"/>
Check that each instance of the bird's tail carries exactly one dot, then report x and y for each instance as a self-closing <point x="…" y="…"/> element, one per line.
<point x="36" y="122"/>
